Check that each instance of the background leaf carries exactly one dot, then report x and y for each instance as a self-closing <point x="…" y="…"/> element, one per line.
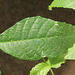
<point x="0" y="72"/>
<point x="63" y="3"/>
<point x="71" y="53"/>
<point x="36" y="37"/>
<point x="40" y="69"/>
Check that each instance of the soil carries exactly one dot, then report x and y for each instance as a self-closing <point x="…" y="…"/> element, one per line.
<point x="12" y="11"/>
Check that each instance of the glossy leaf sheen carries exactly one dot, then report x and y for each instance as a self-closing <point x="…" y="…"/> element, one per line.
<point x="36" y="37"/>
<point x="40" y="69"/>
<point x="63" y="3"/>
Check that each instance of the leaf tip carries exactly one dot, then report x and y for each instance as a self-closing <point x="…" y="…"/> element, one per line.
<point x="50" y="8"/>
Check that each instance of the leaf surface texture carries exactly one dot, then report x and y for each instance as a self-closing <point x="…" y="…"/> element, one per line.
<point x="34" y="38"/>
<point x="40" y="69"/>
<point x="63" y="3"/>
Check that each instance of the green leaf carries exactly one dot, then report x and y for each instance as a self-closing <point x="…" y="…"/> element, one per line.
<point x="71" y="53"/>
<point x="56" y="62"/>
<point x="63" y="3"/>
<point x="40" y="69"/>
<point x="36" y="37"/>
<point x="0" y="72"/>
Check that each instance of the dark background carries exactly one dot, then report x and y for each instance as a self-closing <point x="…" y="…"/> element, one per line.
<point x="12" y="11"/>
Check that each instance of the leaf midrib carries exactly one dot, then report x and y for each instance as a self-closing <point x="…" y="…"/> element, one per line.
<point x="37" y="38"/>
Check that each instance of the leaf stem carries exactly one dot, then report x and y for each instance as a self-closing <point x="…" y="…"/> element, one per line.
<point x="50" y="68"/>
<point x="52" y="71"/>
<point x="44" y="60"/>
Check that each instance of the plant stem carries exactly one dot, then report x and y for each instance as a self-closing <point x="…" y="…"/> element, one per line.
<point x="44" y="60"/>
<point x="52" y="71"/>
<point x="50" y="68"/>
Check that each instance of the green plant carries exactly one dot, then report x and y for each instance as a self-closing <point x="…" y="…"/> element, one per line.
<point x="61" y="3"/>
<point x="35" y="38"/>
<point x="0" y="72"/>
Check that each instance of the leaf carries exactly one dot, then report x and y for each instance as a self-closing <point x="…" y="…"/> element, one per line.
<point x="36" y="37"/>
<point x="56" y="62"/>
<point x="0" y="72"/>
<point x="71" y="53"/>
<point x="40" y="69"/>
<point x="63" y="3"/>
